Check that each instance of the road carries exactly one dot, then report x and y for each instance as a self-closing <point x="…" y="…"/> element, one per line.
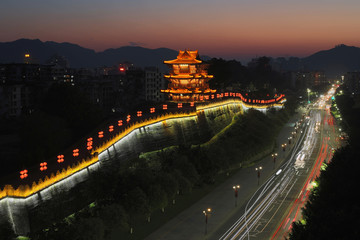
<point x="266" y="206"/>
<point x="190" y="224"/>
<point x="277" y="203"/>
<point x="328" y="141"/>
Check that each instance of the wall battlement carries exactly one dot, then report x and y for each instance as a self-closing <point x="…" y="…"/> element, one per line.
<point x="14" y="202"/>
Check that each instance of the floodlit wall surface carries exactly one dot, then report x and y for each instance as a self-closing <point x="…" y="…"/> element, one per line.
<point x="191" y="127"/>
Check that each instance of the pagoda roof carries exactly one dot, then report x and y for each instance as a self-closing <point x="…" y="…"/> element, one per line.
<point x="186" y="57"/>
<point x="188" y="76"/>
<point x="187" y="91"/>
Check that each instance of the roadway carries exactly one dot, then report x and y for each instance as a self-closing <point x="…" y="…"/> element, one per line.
<point x="190" y="224"/>
<point x="277" y="203"/>
<point x="265" y="207"/>
<point x="328" y="140"/>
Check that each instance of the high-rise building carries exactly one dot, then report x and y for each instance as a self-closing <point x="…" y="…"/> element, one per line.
<point x="154" y="82"/>
<point x="188" y="78"/>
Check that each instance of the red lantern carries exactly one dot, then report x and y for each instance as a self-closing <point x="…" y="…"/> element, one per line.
<point x="164" y="107"/>
<point x="139" y="113"/>
<point x="226" y="94"/>
<point x="152" y="110"/>
<point x="179" y="105"/>
<point x="207" y="97"/>
<point x="76" y="152"/>
<point x="201" y="98"/>
<point x="128" y="118"/>
<point x="23" y="174"/>
<point x="191" y="104"/>
<point x="60" y="158"/>
<point x="111" y="128"/>
<point x="101" y="134"/>
<point x="43" y="166"/>
<point x="89" y="143"/>
<point x="212" y="96"/>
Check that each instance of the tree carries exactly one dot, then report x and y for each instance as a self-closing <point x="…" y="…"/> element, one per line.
<point x="332" y="209"/>
<point x="169" y="184"/>
<point x="187" y="169"/>
<point x="113" y="215"/>
<point x="157" y="198"/>
<point x="91" y="228"/>
<point x="6" y="231"/>
<point x="185" y="185"/>
<point x="136" y="203"/>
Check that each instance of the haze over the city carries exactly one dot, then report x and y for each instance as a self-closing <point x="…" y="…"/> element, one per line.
<point x="228" y="29"/>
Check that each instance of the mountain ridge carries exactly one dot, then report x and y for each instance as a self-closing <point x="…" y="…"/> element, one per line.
<point x="335" y="61"/>
<point x="13" y="52"/>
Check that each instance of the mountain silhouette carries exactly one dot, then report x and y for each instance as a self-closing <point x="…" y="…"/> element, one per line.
<point x="336" y="61"/>
<point x="13" y="52"/>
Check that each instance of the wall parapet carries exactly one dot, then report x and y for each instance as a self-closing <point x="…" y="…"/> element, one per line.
<point x="89" y="152"/>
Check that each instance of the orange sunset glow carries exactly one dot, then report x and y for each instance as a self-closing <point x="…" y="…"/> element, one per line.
<point x="229" y="29"/>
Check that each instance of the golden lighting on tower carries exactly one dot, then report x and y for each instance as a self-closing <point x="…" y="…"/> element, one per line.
<point x="188" y="78"/>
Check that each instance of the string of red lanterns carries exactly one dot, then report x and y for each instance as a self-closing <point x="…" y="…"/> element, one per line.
<point x="89" y="144"/>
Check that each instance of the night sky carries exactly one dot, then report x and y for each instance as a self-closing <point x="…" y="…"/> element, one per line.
<point x="229" y="28"/>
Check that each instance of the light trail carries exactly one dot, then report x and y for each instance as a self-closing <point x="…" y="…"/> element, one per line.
<point x="266" y="194"/>
<point x="323" y="155"/>
<point x="282" y="180"/>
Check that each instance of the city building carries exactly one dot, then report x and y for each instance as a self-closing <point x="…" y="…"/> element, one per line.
<point x="21" y="87"/>
<point x="154" y="82"/>
<point x="306" y="79"/>
<point x="352" y="82"/>
<point x="188" y="78"/>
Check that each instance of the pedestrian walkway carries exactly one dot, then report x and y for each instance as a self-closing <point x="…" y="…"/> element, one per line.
<point x="190" y="224"/>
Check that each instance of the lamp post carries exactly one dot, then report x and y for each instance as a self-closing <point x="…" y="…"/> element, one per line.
<point x="206" y="213"/>
<point x="258" y="169"/>
<point x="283" y="146"/>
<point x="289" y="138"/>
<point x="274" y="155"/>
<point x="308" y="92"/>
<point x="236" y="189"/>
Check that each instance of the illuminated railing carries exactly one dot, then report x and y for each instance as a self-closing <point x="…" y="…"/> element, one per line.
<point x="26" y="190"/>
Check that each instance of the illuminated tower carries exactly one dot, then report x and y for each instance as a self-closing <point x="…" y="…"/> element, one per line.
<point x="188" y="78"/>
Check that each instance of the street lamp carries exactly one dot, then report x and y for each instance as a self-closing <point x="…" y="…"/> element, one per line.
<point x="236" y="189"/>
<point x="258" y="173"/>
<point x="206" y="213"/>
<point x="289" y="138"/>
<point x="274" y="155"/>
<point x="283" y="146"/>
<point x="308" y="92"/>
